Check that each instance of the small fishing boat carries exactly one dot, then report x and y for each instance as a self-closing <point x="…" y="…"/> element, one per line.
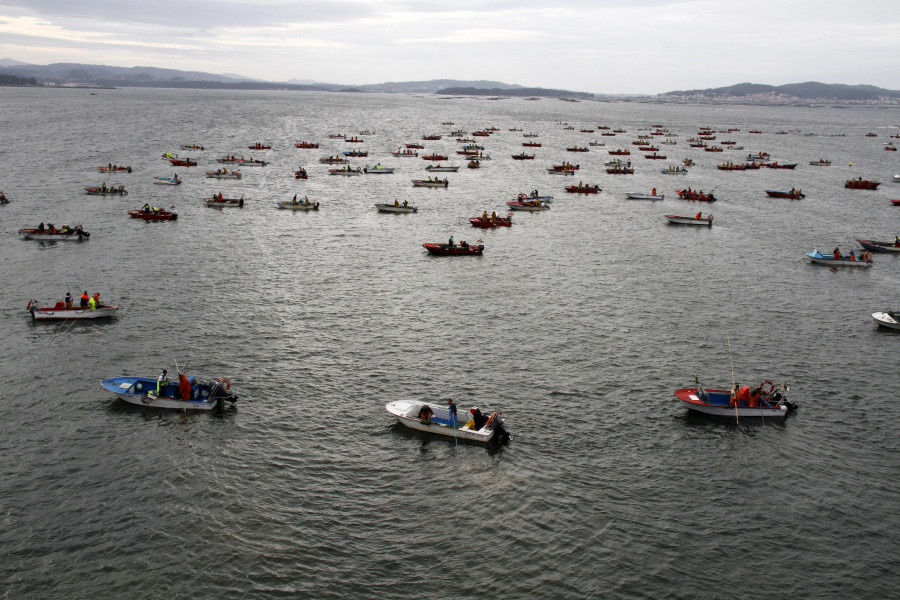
<point x="405" y="153"/>
<point x="106" y="191"/>
<point x="619" y="152"/>
<point x="695" y="195"/>
<point x="191" y="147"/>
<point x="354" y="140"/>
<point x="523" y="156"/>
<point x="59" y="312"/>
<point x="436" y="418"/>
<point x="620" y="170"/>
<point x="729" y="166"/>
<point x="434" y="183"/>
<point x="713" y="149"/>
<point x="792" y="194"/>
<point x="186" y="394"/>
<point x="183" y="162"/>
<point x="300" y="173"/>
<point x="895" y="202"/>
<point x="697" y="219"/>
<point x="253" y="162"/>
<point x="566" y="166"/>
<point x="491" y="221"/>
<point x="346" y="171"/>
<point x="306" y="145"/>
<point x="473" y="164"/>
<point x="655" y="156"/>
<point x="528" y="205"/>
<point x="887" y="319"/>
<point x="531" y="144"/>
<point x="356" y="153"/>
<point x="566" y="171"/>
<point x="442" y="169"/>
<point x="434" y="156"/>
<point x="431" y="138"/>
<point x="583" y="189"/>
<point x="887" y="247"/>
<point x="220" y="202"/>
<point x="596" y="143"/>
<point x="577" y="149"/>
<point x="842" y="260"/>
<point x="861" y="184"/>
<point x="3" y="198"/>
<point x="333" y="160"/>
<point x="336" y="136"/>
<point x="674" y="170"/>
<point x="820" y="163"/>
<point x="378" y="170"/>
<point x="259" y="146"/>
<point x="224" y="174"/>
<point x="644" y="196"/>
<point x="648" y="149"/>
<point x="152" y="213"/>
<point x="396" y="207"/>
<point x="114" y="169"/>
<point x="176" y="180"/>
<point x="778" y="165"/>
<point x="231" y="158"/>
<point x="295" y="204"/>
<point x="452" y="248"/>
<point x="50" y="233"/>
<point x="770" y="403"/>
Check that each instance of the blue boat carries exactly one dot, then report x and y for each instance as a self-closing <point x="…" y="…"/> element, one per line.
<point x="142" y="391"/>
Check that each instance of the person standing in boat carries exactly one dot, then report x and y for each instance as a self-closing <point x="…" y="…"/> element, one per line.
<point x="84" y="299"/>
<point x="837" y="253"/>
<point x="41" y="227"/>
<point x="162" y="382"/>
<point x="451" y="243"/>
<point x="96" y="299"/>
<point x="68" y="300"/>
<point x="92" y="302"/>
<point x="451" y="408"/>
<point x="897" y="240"/>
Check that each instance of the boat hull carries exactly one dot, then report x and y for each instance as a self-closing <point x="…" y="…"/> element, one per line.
<point x="34" y="234"/>
<point x="142" y="392"/>
<point x="54" y="314"/>
<point x="390" y="208"/>
<point x="455" y="250"/>
<point x="637" y="196"/>
<point x="160" y="216"/>
<point x="886" y="319"/>
<point x="887" y="247"/>
<point x="718" y="404"/>
<point x="678" y="220"/>
<point x="406" y="412"/>
<point x="844" y="261"/>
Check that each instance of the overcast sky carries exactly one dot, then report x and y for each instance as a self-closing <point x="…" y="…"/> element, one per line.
<point x="603" y="46"/>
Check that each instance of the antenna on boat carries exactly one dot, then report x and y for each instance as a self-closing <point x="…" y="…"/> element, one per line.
<point x="733" y="384"/>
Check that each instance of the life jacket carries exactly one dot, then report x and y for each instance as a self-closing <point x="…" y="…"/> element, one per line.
<point x="744" y="394"/>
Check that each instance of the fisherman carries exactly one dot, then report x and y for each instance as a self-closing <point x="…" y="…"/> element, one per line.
<point x="451" y="243"/>
<point x="92" y="302"/>
<point x="451" y="409"/>
<point x="96" y="299"/>
<point x="68" y="300"/>
<point x="84" y="299"/>
<point x="837" y="253"/>
<point x="295" y="198"/>
<point x="184" y="387"/>
<point x="162" y="382"/>
<point x="41" y="229"/>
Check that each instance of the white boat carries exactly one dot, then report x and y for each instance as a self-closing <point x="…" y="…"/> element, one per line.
<point x="897" y="178"/>
<point x="59" y="312"/>
<point x="168" y="180"/>
<point x="224" y="174"/>
<point x="396" y="208"/>
<point x="142" y="391"/>
<point x="378" y="170"/>
<point x="217" y="202"/>
<point x="528" y="206"/>
<point x="846" y="260"/>
<point x="435" y="418"/>
<point x="295" y="204"/>
<point x="771" y="403"/>
<point x="70" y="234"/>
<point x="441" y="169"/>
<point x="679" y="220"/>
<point x="561" y="171"/>
<point x="888" y="319"/>
<point x="642" y="196"/>
<point x="252" y="163"/>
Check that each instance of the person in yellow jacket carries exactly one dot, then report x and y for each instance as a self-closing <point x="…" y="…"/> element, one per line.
<point x="93" y="302"/>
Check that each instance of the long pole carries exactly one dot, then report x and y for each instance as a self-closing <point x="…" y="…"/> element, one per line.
<point x="737" y="399"/>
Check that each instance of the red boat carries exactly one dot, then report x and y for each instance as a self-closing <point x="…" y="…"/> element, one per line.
<point x="354" y="140"/>
<point x="114" y="169"/>
<point x="566" y="166"/>
<point x="713" y="149"/>
<point x="416" y="146"/>
<point x="523" y="156"/>
<point x="357" y="153"/>
<point x="655" y="156"/>
<point x="582" y="189"/>
<point x="620" y="170"/>
<point x="453" y="249"/>
<point x="648" y="149"/>
<point x="230" y="159"/>
<point x="619" y="152"/>
<point x="491" y="222"/>
<point x="608" y="134"/>
<point x="258" y="146"/>
<point x="895" y="202"/>
<point x="695" y="195"/>
<point x="531" y="144"/>
<point x="861" y="184"/>
<point x="435" y="157"/>
<point x="306" y="145"/>
<point x="576" y="149"/>
<point x="793" y="194"/>
<point x="154" y="214"/>
<point x="776" y="165"/>
<point x="300" y="174"/>
<point x="890" y="148"/>
<point x="183" y="162"/>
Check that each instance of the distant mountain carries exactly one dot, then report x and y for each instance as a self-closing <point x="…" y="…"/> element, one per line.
<point x="810" y="90"/>
<point x="9" y="62"/>
<point x="518" y="91"/>
<point x="432" y="86"/>
<point x="105" y="75"/>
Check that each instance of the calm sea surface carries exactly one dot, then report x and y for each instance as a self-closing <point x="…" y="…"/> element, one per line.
<point x="578" y="323"/>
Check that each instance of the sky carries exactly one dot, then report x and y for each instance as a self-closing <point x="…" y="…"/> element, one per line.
<point x="599" y="46"/>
